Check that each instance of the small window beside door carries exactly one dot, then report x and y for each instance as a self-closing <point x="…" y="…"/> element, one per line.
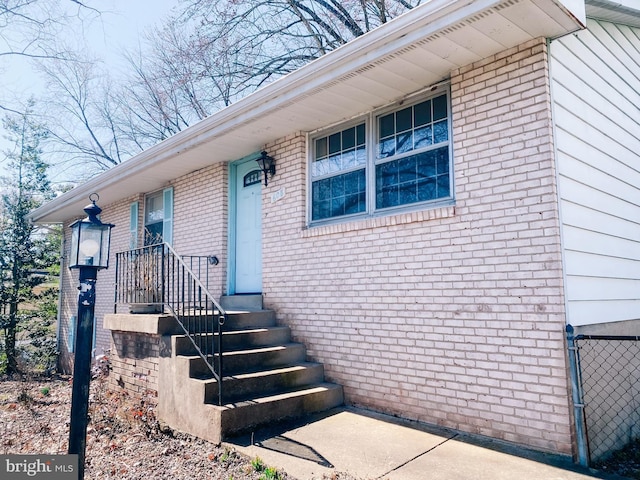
<point x="158" y="217"/>
<point x="153" y="218"/>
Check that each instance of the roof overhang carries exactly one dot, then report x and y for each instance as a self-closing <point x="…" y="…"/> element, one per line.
<point x="408" y="54"/>
<point x="626" y="12"/>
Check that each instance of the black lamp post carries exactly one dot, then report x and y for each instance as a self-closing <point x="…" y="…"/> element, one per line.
<point x="90" y="240"/>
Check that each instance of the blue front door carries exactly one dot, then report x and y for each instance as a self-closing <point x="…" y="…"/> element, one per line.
<point x="247" y="224"/>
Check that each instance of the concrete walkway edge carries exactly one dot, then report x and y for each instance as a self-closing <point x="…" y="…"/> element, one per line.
<point x="369" y="445"/>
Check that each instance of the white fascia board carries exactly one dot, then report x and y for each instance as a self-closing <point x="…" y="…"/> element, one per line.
<point x="616" y="11"/>
<point x="632" y="5"/>
<point x="401" y="32"/>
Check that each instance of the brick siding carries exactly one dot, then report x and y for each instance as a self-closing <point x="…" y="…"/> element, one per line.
<point x="134" y="363"/>
<point x="452" y="316"/>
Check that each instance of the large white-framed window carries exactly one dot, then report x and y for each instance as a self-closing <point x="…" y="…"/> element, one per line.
<point x="338" y="172"/>
<point x="389" y="160"/>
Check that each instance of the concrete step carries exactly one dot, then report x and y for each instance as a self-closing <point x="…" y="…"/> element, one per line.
<point x="243" y="416"/>
<point x="237" y="339"/>
<point x="243" y="319"/>
<point x="248" y="385"/>
<point x="266" y="376"/>
<point x="242" y="361"/>
<point x="241" y="302"/>
<point x="207" y="321"/>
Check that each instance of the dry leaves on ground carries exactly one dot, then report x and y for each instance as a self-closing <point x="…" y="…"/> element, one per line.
<point x="124" y="440"/>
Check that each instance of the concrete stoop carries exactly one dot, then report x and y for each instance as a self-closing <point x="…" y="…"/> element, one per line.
<point x="267" y="379"/>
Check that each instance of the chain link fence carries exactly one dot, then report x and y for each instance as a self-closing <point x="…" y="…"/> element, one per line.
<point x="609" y="382"/>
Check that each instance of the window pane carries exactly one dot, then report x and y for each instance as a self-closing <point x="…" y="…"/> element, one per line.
<point x="352" y="182"/>
<point x="443" y="185"/>
<point x="321" y="167"/>
<point x="439" y="107"/>
<point x="361" y="155"/>
<point x="415" y="127"/>
<point x="352" y="204"/>
<point x="360" y="134"/>
<point x="153" y="233"/>
<point x="407" y="171"/>
<point x="427" y="165"/>
<point x="321" y="209"/>
<point x="416" y="178"/>
<point x="423" y="137"/>
<point x="422" y="113"/>
<point x="387" y="197"/>
<point x="387" y="148"/>
<point x="337" y="186"/>
<point x="339" y="195"/>
<point x="334" y="143"/>
<point x="407" y="194"/>
<point x="403" y="120"/>
<point x="387" y="174"/>
<point x="440" y="132"/>
<point x="348" y="138"/>
<point x="335" y="163"/>
<point x="349" y="159"/>
<point x="154" y="211"/>
<point x="386" y="126"/>
<point x="427" y="189"/>
<point x="321" y="148"/>
<point x="321" y="190"/>
<point x="404" y="142"/>
<point x="442" y="160"/>
<point x="336" y="152"/>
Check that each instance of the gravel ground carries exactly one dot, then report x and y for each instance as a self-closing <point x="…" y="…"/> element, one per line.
<point x="123" y="437"/>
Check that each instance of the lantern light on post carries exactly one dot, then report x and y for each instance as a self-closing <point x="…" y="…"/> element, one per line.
<point x="267" y="165"/>
<point x="90" y="239"/>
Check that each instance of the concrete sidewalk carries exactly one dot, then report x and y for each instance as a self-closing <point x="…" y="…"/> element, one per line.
<point x="373" y="446"/>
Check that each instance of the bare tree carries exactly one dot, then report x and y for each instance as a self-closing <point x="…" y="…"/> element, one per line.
<point x="81" y="112"/>
<point x="286" y="34"/>
<point x="206" y="57"/>
<point x="28" y="28"/>
<point x="215" y="52"/>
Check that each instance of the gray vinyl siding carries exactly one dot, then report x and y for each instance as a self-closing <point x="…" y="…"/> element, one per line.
<point x="595" y="81"/>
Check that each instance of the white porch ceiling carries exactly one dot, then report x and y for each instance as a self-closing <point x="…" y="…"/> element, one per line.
<point x="410" y="53"/>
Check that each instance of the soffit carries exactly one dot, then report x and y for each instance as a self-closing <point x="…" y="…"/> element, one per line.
<point x="408" y="54"/>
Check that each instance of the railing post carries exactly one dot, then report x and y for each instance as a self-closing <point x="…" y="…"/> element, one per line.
<point x="578" y="405"/>
<point x="221" y="320"/>
<point x="162" y="276"/>
<point x="115" y="293"/>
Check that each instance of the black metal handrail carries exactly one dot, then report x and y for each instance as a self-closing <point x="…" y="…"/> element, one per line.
<point x="158" y="277"/>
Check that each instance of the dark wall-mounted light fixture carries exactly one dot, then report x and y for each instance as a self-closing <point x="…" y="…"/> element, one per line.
<point x="267" y="165"/>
